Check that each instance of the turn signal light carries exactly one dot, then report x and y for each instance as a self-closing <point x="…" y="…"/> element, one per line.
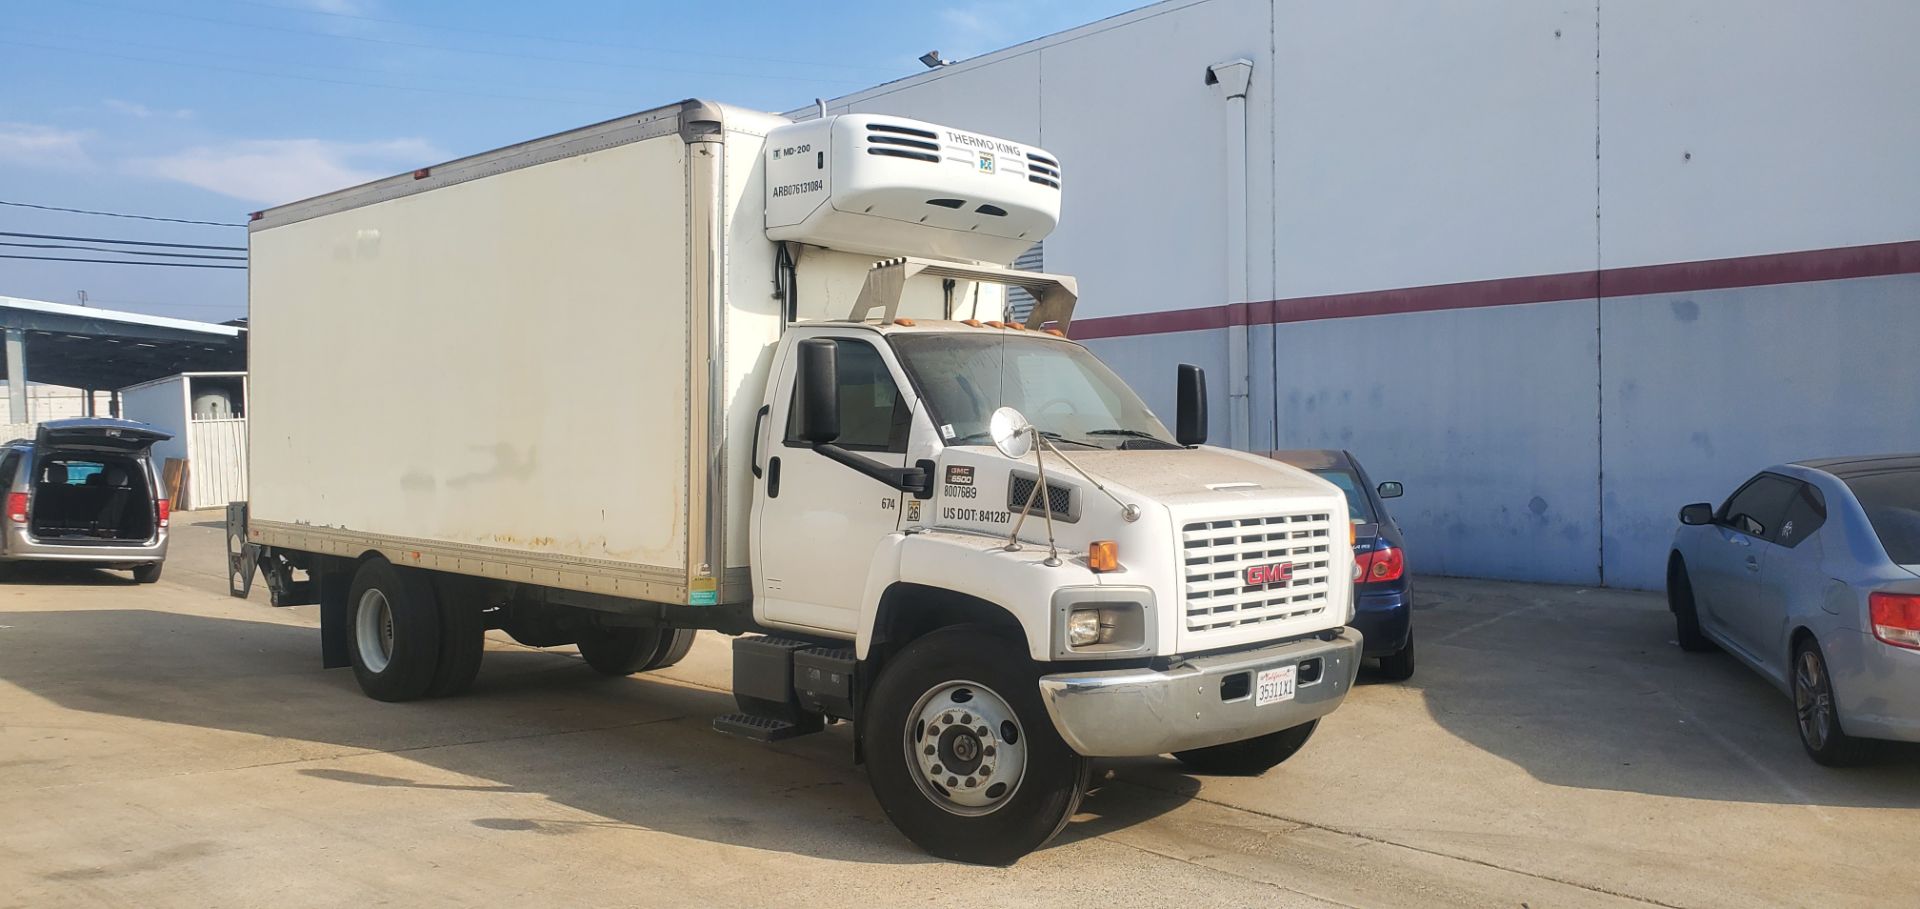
<point x="1103" y="555"/>
<point x="1895" y="616"/>
<point x="17" y="507"/>
<point x="166" y="510"/>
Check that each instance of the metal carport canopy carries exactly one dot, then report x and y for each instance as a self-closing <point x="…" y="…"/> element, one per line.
<point x="103" y="349"/>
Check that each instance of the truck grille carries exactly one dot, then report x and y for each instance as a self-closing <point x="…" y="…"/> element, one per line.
<point x="1218" y="554"/>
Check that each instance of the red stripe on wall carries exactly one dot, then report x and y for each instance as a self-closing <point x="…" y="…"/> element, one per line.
<point x="1711" y="274"/>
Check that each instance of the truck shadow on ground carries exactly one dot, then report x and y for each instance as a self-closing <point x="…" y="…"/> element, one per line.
<point x="633" y="753"/>
<point x="1585" y="688"/>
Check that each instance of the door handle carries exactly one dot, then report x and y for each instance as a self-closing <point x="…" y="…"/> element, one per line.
<point x="1753" y="564"/>
<point x="773" y="478"/>
<point x="758" y="419"/>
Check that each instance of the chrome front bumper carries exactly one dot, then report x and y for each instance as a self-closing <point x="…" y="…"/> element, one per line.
<point x="1136" y="712"/>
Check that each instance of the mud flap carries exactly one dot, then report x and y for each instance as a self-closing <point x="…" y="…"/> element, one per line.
<point x="242" y="556"/>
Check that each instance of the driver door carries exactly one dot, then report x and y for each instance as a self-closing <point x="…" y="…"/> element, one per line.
<point x="1726" y="569"/>
<point x="817" y="522"/>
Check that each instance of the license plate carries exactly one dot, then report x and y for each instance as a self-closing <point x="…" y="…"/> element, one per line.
<point x="1274" y="685"/>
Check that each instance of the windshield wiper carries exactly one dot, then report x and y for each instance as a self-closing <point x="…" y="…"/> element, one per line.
<point x="1135" y="433"/>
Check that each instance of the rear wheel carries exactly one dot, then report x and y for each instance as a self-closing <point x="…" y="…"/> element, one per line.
<point x="619" y="651"/>
<point x="1250" y="757"/>
<point x="396" y="631"/>
<point x="1817" y="713"/>
<point x="463" y="640"/>
<point x="148" y="573"/>
<point x="1398" y="665"/>
<point x="962" y="754"/>
<point x="1686" y="617"/>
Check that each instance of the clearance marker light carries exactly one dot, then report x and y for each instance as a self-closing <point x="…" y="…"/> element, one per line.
<point x="1103" y="555"/>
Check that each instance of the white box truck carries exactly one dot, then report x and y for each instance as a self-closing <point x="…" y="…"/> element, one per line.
<point x="707" y="368"/>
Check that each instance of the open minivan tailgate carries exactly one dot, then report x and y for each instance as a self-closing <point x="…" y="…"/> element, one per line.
<point x="100" y="434"/>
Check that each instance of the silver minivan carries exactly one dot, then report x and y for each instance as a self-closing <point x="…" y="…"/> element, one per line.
<point x="86" y="491"/>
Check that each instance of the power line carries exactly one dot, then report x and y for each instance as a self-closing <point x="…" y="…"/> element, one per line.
<point x="558" y="40"/>
<point x="122" y="252"/>
<point x="255" y="72"/>
<point x="115" y="214"/>
<point x="4" y="233"/>
<point x="459" y="50"/>
<point x="123" y="262"/>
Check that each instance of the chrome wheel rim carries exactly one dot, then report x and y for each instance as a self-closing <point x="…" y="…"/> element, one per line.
<point x="373" y="630"/>
<point x="1812" y="700"/>
<point x="966" y="748"/>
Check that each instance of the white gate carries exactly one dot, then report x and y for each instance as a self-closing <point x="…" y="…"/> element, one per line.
<point x="217" y="465"/>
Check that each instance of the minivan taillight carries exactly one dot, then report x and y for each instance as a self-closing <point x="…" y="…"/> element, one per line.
<point x="17" y="507"/>
<point x="1383" y="564"/>
<point x="1896" y="618"/>
<point x="166" y="510"/>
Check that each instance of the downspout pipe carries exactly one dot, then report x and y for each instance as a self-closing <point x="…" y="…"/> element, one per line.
<point x="1230" y="79"/>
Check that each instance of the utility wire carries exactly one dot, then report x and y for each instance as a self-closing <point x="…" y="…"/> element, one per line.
<point x="558" y="40"/>
<point x="4" y="233"/>
<point x="458" y="50"/>
<point x="122" y="252"/>
<point x="255" y="72"/>
<point x="123" y="262"/>
<point x="115" y="214"/>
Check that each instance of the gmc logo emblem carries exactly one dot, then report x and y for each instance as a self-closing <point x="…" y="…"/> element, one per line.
<point x="1262" y="575"/>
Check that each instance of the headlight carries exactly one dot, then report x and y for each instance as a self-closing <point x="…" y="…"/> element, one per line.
<point x="1102" y="622"/>
<point x="1086" y="626"/>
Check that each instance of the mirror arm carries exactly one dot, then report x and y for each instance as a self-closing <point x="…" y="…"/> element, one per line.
<point x="917" y="479"/>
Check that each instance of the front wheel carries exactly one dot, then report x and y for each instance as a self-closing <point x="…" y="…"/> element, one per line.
<point x="1250" y="757"/>
<point x="1686" y="613"/>
<point x="961" y="753"/>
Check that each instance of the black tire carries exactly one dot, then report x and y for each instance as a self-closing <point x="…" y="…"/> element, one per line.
<point x="674" y="644"/>
<point x="410" y="653"/>
<point x="1050" y="780"/>
<point x="619" y="651"/>
<point x="463" y="640"/>
<point x="1817" y="711"/>
<point x="1686" y="618"/>
<point x="1250" y="757"/>
<point x="148" y="573"/>
<point x="1398" y="665"/>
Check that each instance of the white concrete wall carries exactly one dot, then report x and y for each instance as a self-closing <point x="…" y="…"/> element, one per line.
<point x="1398" y="144"/>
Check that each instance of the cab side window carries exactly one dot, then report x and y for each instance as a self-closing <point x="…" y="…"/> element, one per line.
<point x="1757" y="508"/>
<point x="873" y="415"/>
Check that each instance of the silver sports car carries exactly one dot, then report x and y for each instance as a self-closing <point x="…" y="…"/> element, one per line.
<point x="1810" y="574"/>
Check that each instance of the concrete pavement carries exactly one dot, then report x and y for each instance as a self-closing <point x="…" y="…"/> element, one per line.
<point x="169" y="746"/>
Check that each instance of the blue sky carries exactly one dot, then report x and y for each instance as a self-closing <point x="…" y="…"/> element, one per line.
<point x="209" y="109"/>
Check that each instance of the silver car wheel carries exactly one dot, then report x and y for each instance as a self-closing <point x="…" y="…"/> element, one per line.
<point x="1812" y="699"/>
<point x="966" y="748"/>
<point x="373" y="630"/>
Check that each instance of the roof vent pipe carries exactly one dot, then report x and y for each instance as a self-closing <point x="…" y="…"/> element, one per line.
<point x="1230" y="79"/>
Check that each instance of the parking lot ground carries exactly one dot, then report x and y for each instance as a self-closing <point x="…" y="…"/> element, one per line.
<point x="167" y="745"/>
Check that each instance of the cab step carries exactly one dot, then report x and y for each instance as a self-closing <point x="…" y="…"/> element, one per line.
<point x="764" y="729"/>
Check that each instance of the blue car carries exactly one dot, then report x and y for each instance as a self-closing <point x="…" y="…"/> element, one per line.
<point x="1383" y="588"/>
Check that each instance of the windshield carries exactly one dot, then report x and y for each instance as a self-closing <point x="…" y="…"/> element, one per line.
<point x="1066" y="392"/>
<point x="1359" y="510"/>
<point x="1891" y="500"/>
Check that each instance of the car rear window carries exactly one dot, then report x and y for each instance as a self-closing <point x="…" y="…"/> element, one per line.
<point x="1892" y="503"/>
<point x="1358" y="507"/>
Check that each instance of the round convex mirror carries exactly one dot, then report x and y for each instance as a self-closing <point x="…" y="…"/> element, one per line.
<point x="1011" y="433"/>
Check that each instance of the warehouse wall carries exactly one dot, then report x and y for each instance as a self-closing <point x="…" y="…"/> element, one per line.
<point x="1558" y="267"/>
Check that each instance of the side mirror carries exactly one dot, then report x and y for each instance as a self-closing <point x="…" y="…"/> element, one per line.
<point x="1391" y="490"/>
<point x="819" y="377"/>
<point x="1190" y="416"/>
<point x="1696" y="514"/>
